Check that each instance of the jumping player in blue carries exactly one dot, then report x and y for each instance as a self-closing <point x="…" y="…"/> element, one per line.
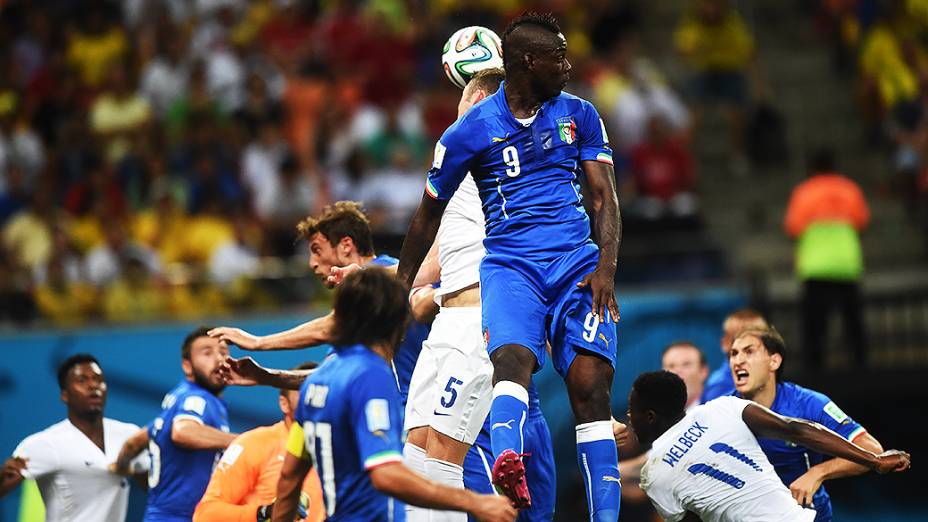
<point x="348" y="422"/>
<point x="543" y="278"/>
<point x="756" y="360"/>
<point x="187" y="439"/>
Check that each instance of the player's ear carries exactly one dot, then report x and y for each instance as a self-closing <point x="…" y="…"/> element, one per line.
<point x="284" y="404"/>
<point x="65" y="397"/>
<point x="775" y="361"/>
<point x="346" y="246"/>
<point x="187" y="366"/>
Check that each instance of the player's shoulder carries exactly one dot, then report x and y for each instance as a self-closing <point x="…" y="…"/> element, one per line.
<point x="801" y="395"/>
<point x="573" y="102"/>
<point x="120" y="427"/>
<point x="484" y="115"/>
<point x="49" y="434"/>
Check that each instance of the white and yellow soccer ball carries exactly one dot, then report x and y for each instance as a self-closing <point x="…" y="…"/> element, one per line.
<point x="469" y="51"/>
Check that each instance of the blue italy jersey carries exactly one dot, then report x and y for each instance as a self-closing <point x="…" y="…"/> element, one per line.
<point x="178" y="476"/>
<point x="404" y="361"/>
<point x="527" y="175"/>
<point x="719" y="384"/>
<point x="791" y="461"/>
<point x="350" y="413"/>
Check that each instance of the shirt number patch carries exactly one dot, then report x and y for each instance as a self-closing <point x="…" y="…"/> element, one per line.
<point x="195" y="404"/>
<point x="439" y="157"/>
<point x="511" y="158"/>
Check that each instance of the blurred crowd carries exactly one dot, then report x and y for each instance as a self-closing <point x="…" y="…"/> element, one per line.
<point x="885" y="43"/>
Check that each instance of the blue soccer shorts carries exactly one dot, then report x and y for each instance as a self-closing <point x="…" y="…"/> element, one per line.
<point x="528" y="302"/>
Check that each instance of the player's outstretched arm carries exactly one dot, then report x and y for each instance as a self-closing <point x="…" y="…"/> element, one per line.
<point x="247" y="372"/>
<point x="191" y="434"/>
<point x="396" y="480"/>
<point x="309" y="334"/>
<point x="767" y="424"/>
<point x="11" y="475"/>
<point x="292" y="474"/>
<point x="607" y="234"/>
<point x="422" y="304"/>
<point x="804" y="487"/>
<point x="131" y="449"/>
<point x="419" y="237"/>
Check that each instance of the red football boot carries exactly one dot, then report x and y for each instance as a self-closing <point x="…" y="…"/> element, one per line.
<point x="509" y="478"/>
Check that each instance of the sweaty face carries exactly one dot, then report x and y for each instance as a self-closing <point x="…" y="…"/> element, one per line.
<point x="551" y="70"/>
<point x="85" y="388"/>
<point x="206" y="354"/>
<point x="684" y="361"/>
<point x="752" y="367"/>
<point x="323" y="256"/>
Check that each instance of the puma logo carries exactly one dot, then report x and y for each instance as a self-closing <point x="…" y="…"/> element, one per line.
<point x="607" y="478"/>
<point x="507" y="424"/>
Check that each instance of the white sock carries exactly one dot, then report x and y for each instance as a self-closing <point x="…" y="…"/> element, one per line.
<point x="414" y="459"/>
<point x="450" y="475"/>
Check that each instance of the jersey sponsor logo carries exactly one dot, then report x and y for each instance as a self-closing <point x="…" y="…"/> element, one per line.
<point x="195" y="405"/>
<point x="377" y="412"/>
<point x="231" y="455"/>
<point x="567" y="130"/>
<point x="835" y="412"/>
<point x="507" y="424"/>
<point x="687" y="439"/>
<point x="439" y="156"/>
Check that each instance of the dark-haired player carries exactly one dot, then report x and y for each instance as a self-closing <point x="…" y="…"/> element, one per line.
<point x="543" y="278"/>
<point x="348" y="422"/>
<point x="707" y="465"/>
<point x="720" y="382"/>
<point x="69" y="460"/>
<point x="187" y="439"/>
<point x="756" y="360"/>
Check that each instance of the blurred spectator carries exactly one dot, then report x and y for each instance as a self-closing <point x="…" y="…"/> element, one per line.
<point x="28" y="234"/>
<point x="105" y="262"/>
<point x="134" y="296"/>
<point x="297" y="196"/>
<point x="119" y="115"/>
<point x="630" y="91"/>
<point x="164" y="79"/>
<point x="258" y="105"/>
<point x="826" y="214"/>
<point x="96" y="45"/>
<point x="392" y="192"/>
<point x="663" y="175"/>
<point x="17" y="303"/>
<point x="235" y="259"/>
<point x="195" y="106"/>
<point x="261" y="161"/>
<point x="716" y="44"/>
<point x="67" y="302"/>
<point x="207" y="230"/>
<point x="65" y="255"/>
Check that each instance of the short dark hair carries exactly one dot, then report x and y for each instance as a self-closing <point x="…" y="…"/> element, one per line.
<point x="339" y="220"/>
<point x="488" y="80"/>
<point x="773" y="342"/>
<point x="370" y="308"/>
<point x="71" y="362"/>
<point x="691" y="344"/>
<point x="191" y="337"/>
<point x="662" y="392"/>
<point x="545" y="21"/>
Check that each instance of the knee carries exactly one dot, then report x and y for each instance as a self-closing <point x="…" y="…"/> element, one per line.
<point x="513" y="363"/>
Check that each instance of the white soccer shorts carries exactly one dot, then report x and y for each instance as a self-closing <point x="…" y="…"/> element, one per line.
<point x="451" y="387"/>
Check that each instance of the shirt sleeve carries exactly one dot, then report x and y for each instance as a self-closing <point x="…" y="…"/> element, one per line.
<point x="594" y="142"/>
<point x="192" y="407"/>
<point x="40" y="454"/>
<point x="142" y="462"/>
<point x="450" y="163"/>
<point x="824" y="411"/>
<point x="375" y="418"/>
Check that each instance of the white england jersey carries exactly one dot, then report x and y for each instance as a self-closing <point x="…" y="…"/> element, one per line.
<point x="460" y="240"/>
<point x="710" y="464"/>
<point x="72" y="475"/>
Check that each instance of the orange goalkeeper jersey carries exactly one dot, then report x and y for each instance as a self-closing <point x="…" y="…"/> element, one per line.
<point x="246" y="478"/>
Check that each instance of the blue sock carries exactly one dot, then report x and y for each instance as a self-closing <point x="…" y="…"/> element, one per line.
<point x="507" y="416"/>
<point x="599" y="467"/>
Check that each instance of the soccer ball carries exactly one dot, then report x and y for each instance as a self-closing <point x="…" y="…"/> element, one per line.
<point x="470" y="50"/>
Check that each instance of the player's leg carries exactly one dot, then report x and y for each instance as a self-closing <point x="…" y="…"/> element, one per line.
<point x="540" y="471"/>
<point x="461" y="397"/>
<point x="416" y="421"/>
<point x="513" y="320"/>
<point x="583" y="352"/>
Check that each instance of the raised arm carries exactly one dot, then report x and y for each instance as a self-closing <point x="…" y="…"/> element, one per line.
<point x="133" y="446"/>
<point x="607" y="233"/>
<point x="804" y="487"/>
<point x="419" y="237"/>
<point x="767" y="424"/>
<point x="311" y="333"/>
<point x="247" y="372"/>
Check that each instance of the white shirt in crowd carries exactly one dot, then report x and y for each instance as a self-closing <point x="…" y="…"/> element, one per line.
<point x="72" y="472"/>
<point x="710" y="464"/>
